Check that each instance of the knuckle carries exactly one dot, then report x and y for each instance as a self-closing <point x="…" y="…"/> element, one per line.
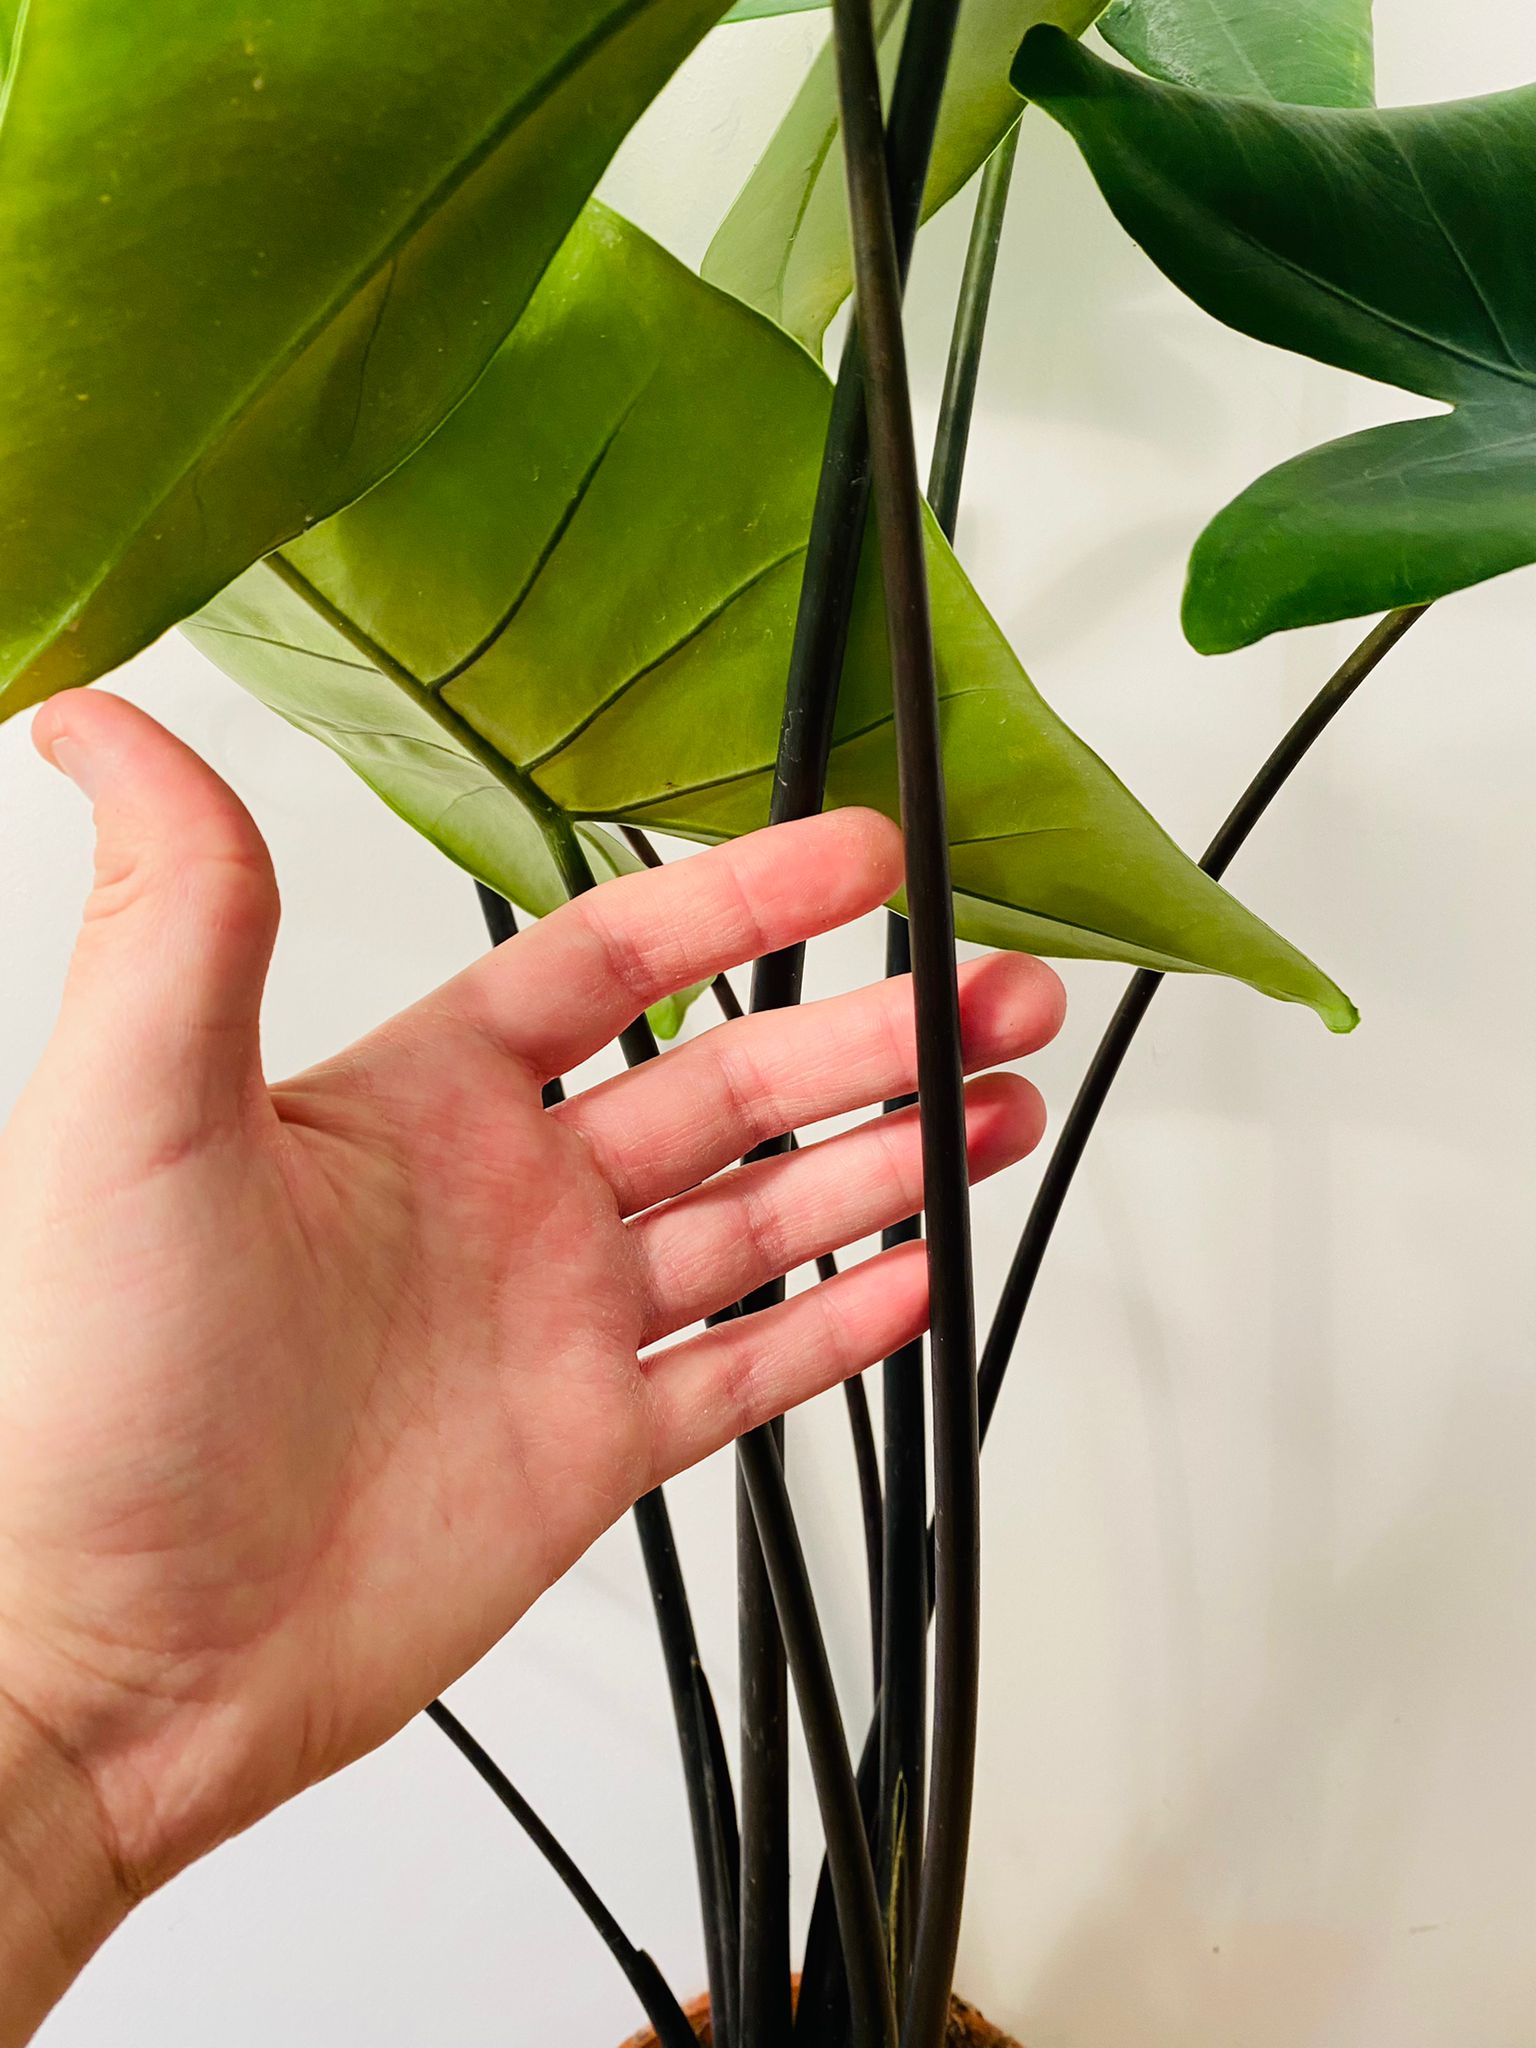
<point x="745" y="1096"/>
<point x="626" y="947"/>
<point x="748" y="930"/>
<point x="762" y="1226"/>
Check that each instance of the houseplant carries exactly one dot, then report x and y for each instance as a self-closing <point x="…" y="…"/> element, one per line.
<point x="458" y="648"/>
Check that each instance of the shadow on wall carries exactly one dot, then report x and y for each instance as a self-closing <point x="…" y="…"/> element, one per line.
<point x="1364" y="1713"/>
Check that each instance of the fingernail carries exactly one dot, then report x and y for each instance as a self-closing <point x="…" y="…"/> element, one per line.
<point x="72" y="760"/>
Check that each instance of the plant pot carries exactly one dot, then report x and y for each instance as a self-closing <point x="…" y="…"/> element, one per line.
<point x="967" y="2028"/>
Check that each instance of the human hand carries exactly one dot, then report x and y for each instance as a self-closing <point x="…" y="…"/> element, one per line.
<point x="307" y="1392"/>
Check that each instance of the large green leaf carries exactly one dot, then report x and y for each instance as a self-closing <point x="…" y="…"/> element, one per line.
<point x="1399" y="244"/>
<point x="1311" y="53"/>
<point x="582" y="592"/>
<point x="427" y="765"/>
<point x="783" y="247"/>
<point x="250" y="256"/>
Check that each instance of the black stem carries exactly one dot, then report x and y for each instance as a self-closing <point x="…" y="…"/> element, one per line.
<point x="902" y="1681"/>
<point x="766" y="2007"/>
<point x="711" y="1803"/>
<point x="866" y="1461"/>
<point x="860" y="1427"/>
<point x="822" y="1994"/>
<point x="963" y="374"/>
<point x="654" y="1993"/>
<point x="946" y="1192"/>
<point x="706" y="1772"/>
<point x="841" y="513"/>
<point x="903" y="1688"/>
<point x="838" y="528"/>
<point x="853" y="1873"/>
<point x="1116" y="1042"/>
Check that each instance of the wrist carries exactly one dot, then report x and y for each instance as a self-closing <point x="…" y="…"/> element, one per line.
<point x="62" y="1890"/>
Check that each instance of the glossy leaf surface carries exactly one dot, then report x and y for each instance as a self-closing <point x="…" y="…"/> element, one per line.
<point x="582" y="592"/>
<point x="1311" y="53"/>
<point x="783" y="247"/>
<point x="250" y="257"/>
<point x="1399" y="244"/>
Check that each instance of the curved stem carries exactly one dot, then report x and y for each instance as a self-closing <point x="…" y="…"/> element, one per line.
<point x="866" y="1461"/>
<point x="821" y="1992"/>
<point x="654" y="1993"/>
<point x="957" y="1494"/>
<point x="853" y="1874"/>
<point x="711" y="1801"/>
<point x="1126" y="1022"/>
<point x="963" y="374"/>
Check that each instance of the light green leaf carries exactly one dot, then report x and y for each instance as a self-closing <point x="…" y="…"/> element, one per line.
<point x="582" y="592"/>
<point x="1397" y="244"/>
<point x="759" y="10"/>
<point x="249" y="258"/>
<point x="427" y="767"/>
<point x="783" y="247"/>
<point x="1311" y="53"/>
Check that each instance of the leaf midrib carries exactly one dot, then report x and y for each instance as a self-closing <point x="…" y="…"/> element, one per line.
<point x="275" y="372"/>
<point x="1522" y="379"/>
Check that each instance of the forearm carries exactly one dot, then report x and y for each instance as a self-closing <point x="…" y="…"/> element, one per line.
<point x="60" y="1895"/>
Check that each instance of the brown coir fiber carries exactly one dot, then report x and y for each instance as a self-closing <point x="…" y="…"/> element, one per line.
<point x="967" y="2029"/>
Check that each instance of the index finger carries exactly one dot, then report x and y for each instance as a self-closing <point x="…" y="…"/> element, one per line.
<point x="563" y="990"/>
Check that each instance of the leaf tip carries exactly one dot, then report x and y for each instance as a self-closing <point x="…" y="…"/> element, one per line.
<point x="1048" y="64"/>
<point x="1338" y="1012"/>
<point x="1212" y="614"/>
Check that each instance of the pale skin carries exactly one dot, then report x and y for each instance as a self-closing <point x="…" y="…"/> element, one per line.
<point x="308" y="1391"/>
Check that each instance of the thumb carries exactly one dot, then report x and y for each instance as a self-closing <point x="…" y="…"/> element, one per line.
<point x="172" y="957"/>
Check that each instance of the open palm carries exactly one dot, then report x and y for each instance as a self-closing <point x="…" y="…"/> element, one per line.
<point x="307" y="1392"/>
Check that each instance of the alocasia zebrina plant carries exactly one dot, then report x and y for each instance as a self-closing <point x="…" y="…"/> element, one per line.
<point x="314" y="340"/>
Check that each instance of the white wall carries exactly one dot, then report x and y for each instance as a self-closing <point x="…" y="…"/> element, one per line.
<point x="1257" y="1764"/>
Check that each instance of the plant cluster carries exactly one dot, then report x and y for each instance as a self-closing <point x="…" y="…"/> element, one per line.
<point x="316" y="344"/>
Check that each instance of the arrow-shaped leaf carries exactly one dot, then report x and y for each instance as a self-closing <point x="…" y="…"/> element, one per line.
<point x="1311" y="53"/>
<point x="581" y="593"/>
<point x="1397" y="244"/>
<point x="249" y="258"/>
<point x="783" y="247"/>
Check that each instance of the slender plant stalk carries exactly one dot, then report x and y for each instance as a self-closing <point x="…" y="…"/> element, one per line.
<point x="866" y="1461"/>
<point x="853" y="1873"/>
<point x="957" y="1493"/>
<point x="821" y="1993"/>
<point x="765" y="2002"/>
<point x="952" y="441"/>
<point x="856" y="1397"/>
<point x="836" y="545"/>
<point x="711" y="1804"/>
<point x="706" y="1771"/>
<point x="860" y="1427"/>
<point x="841" y="513"/>
<point x="903" y="1692"/>
<point x="903" y="1688"/>
<point x="902" y="1679"/>
<point x="837" y="536"/>
<point x="1126" y="1022"/>
<point x="654" y="1993"/>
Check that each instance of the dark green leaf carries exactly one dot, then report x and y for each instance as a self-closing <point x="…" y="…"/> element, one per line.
<point x="1399" y="244"/>
<point x="582" y="592"/>
<point x="250" y="256"/>
<point x="783" y="247"/>
<point x="1311" y="53"/>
